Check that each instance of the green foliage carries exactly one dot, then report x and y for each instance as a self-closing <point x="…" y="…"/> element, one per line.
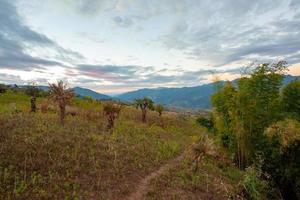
<point x="247" y="118"/>
<point x="282" y="159"/>
<point x="3" y="88"/>
<point x="207" y="123"/>
<point x="159" y="109"/>
<point x="242" y="113"/>
<point x="224" y="102"/>
<point x="255" y="187"/>
<point x="291" y="98"/>
<point x="88" y="99"/>
<point x="144" y="104"/>
<point x="31" y="90"/>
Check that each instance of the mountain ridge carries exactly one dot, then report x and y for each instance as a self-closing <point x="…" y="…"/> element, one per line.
<point x="197" y="97"/>
<point x="85" y="92"/>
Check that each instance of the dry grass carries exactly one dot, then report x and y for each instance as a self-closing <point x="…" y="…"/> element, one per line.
<point x="41" y="159"/>
<point x="212" y="181"/>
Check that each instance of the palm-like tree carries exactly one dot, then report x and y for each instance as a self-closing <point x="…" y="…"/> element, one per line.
<point x="144" y="104"/>
<point x="61" y="94"/>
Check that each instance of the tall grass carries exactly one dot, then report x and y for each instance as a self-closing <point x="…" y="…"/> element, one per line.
<point x="41" y="159"/>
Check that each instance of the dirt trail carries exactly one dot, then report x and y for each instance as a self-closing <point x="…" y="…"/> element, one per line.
<point x="142" y="187"/>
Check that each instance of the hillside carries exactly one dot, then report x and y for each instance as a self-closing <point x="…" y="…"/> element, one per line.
<point x="187" y="97"/>
<point x="90" y="93"/>
<point x="42" y="159"/>
<point x="84" y="92"/>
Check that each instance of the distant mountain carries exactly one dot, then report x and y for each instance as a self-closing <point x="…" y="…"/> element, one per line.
<point x="83" y="92"/>
<point x="87" y="92"/>
<point x="187" y="97"/>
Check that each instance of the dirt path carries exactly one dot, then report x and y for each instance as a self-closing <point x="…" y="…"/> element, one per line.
<point x="142" y="187"/>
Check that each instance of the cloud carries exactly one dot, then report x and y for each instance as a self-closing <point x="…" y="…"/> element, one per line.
<point x="228" y="31"/>
<point x="17" y="41"/>
<point x="219" y="35"/>
<point x="10" y="79"/>
<point x="113" y="72"/>
<point x="124" y="22"/>
<point x="138" y="76"/>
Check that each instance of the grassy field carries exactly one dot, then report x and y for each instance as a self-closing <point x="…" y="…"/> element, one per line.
<point x="42" y="159"/>
<point x="214" y="180"/>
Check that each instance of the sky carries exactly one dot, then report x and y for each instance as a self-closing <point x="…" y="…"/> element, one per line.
<point x="114" y="46"/>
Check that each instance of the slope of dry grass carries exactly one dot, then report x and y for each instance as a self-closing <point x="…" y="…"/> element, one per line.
<point x="213" y="180"/>
<point x="41" y="159"/>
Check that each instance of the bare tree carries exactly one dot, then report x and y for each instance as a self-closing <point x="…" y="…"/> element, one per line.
<point x="62" y="95"/>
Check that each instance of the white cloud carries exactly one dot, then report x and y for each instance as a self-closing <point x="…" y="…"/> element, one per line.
<point x="182" y="40"/>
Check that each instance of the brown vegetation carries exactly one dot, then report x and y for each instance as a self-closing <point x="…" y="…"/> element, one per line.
<point x="62" y="95"/>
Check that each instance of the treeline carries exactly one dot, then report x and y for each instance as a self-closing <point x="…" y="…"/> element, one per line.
<point x="31" y="90"/>
<point x="257" y="119"/>
<point x="60" y="94"/>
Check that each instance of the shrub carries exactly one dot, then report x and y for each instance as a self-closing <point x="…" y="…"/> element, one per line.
<point x="3" y="88"/>
<point x="203" y="147"/>
<point x="281" y="156"/>
<point x="159" y="109"/>
<point x="33" y="104"/>
<point x="73" y="111"/>
<point x="254" y="186"/>
<point x="208" y="123"/>
<point x="32" y="90"/>
<point x="291" y="98"/>
<point x="44" y="106"/>
<point x="62" y="95"/>
<point x="144" y="104"/>
<point x="111" y="111"/>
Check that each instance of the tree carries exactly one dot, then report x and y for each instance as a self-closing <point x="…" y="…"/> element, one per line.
<point x="144" y="104"/>
<point x="258" y="104"/>
<point x="111" y="111"/>
<point x="33" y="104"/>
<point x="159" y="109"/>
<point x="32" y="91"/>
<point x="3" y="88"/>
<point x="291" y="98"/>
<point x="244" y="111"/>
<point x="223" y="102"/>
<point x="62" y="95"/>
<point x="282" y="159"/>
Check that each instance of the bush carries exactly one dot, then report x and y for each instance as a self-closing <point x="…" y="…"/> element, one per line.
<point x="203" y="147"/>
<point x="282" y="159"/>
<point x="208" y="123"/>
<point x="3" y="88"/>
<point x="31" y="90"/>
<point x="291" y="98"/>
<point x="111" y="111"/>
<point x="254" y="186"/>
